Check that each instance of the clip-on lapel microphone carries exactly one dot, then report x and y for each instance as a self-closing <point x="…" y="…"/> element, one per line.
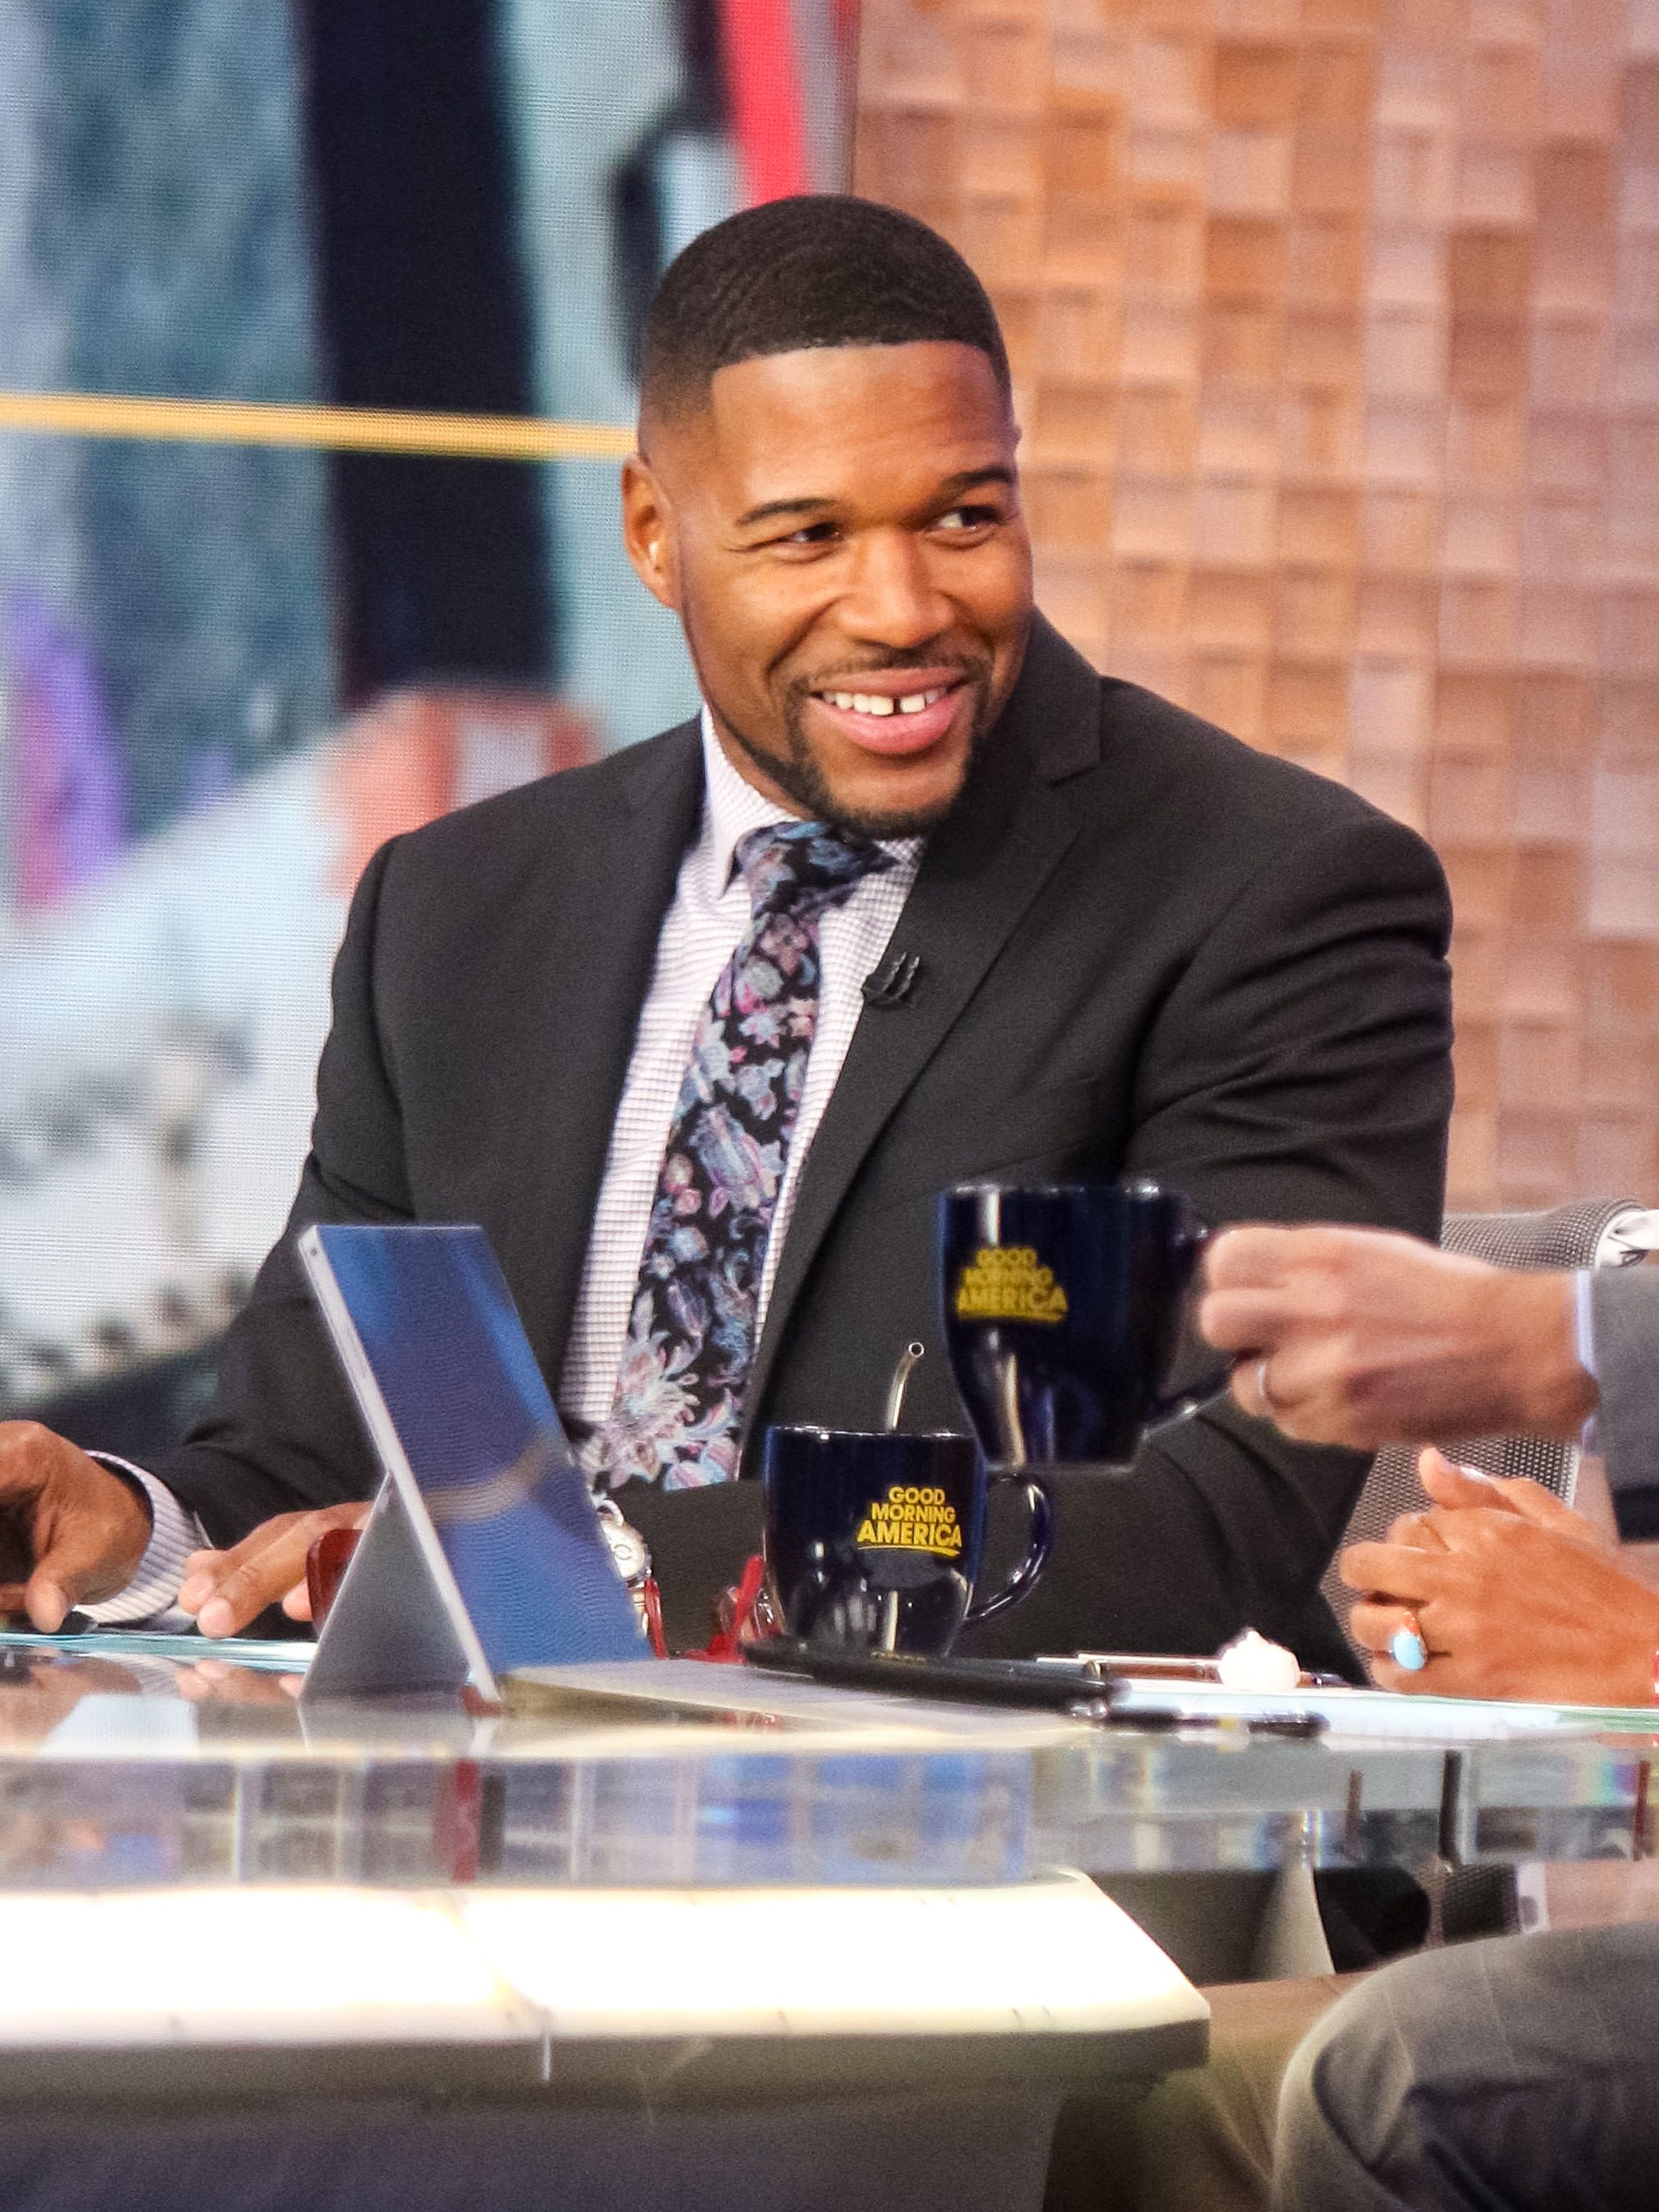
<point x="891" y="984"/>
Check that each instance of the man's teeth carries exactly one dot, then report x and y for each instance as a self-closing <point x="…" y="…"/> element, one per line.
<point x="880" y="702"/>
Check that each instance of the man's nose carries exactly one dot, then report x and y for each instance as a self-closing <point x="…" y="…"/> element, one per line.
<point x="893" y="598"/>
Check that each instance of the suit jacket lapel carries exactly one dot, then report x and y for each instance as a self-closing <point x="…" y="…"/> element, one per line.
<point x="983" y="868"/>
<point x="583" y="998"/>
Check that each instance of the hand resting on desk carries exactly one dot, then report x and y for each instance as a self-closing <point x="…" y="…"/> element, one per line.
<point x="1516" y="1595"/>
<point x="70" y="1532"/>
<point x="1347" y="1336"/>
<point x="225" y="1591"/>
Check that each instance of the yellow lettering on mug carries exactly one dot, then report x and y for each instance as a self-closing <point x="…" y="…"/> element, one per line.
<point x="1009" y="1283"/>
<point x="911" y="1518"/>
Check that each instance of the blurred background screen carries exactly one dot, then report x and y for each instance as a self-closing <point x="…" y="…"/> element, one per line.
<point x="239" y="647"/>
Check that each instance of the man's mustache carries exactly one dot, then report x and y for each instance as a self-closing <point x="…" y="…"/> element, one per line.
<point x="825" y="679"/>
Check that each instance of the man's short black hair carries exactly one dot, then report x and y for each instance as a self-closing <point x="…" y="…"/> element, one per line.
<point x="821" y="270"/>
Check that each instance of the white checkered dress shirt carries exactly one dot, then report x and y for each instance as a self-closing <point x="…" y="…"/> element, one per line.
<point x="699" y="932"/>
<point x="709" y="914"/>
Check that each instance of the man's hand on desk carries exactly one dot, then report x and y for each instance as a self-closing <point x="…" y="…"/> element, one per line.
<point x="78" y="1533"/>
<point x="225" y="1591"/>
<point x="1516" y="1596"/>
<point x="1358" y="1337"/>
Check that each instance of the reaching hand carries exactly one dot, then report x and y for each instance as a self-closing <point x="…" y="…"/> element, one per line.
<point x="77" y="1533"/>
<point x="1352" y="1336"/>
<point x="225" y="1591"/>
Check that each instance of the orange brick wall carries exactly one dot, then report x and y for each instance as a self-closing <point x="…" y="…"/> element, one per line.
<point x="1335" y="330"/>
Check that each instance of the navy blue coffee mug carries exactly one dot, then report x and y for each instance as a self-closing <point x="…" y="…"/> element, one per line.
<point x="1063" y="1312"/>
<point x="874" y="1539"/>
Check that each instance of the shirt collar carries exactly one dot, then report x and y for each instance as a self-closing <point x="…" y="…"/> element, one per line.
<point x="733" y="807"/>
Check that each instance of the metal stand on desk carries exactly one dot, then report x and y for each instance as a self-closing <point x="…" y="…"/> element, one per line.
<point x="389" y="1629"/>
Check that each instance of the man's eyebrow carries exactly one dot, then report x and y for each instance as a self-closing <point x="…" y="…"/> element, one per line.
<point x="971" y="479"/>
<point x="953" y="487"/>
<point x="773" y="507"/>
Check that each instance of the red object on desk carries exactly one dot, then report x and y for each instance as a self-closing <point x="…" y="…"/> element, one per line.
<point x="326" y="1562"/>
<point x="741" y="1616"/>
<point x="458" y="1821"/>
<point x="651" y="1605"/>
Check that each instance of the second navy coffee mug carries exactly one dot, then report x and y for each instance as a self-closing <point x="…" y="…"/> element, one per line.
<point x="874" y="1539"/>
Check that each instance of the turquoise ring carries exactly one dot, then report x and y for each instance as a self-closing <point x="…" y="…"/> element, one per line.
<point x="1406" y="1646"/>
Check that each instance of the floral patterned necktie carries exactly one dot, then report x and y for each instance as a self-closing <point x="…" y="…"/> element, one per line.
<point x="679" y="1397"/>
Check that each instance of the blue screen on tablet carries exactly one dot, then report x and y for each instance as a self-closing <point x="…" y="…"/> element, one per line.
<point x="458" y="1379"/>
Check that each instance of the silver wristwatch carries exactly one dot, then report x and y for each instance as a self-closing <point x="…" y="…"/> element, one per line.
<point x="628" y="1548"/>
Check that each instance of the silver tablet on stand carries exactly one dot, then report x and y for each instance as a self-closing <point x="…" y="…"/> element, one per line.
<point x="483" y="1551"/>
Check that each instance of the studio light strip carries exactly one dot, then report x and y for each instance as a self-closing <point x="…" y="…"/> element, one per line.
<point x="338" y="429"/>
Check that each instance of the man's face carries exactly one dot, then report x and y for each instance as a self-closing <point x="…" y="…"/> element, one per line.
<point x="839" y="532"/>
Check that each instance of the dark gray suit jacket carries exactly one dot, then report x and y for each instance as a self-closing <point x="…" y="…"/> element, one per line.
<point x="1144" y="947"/>
<point x="1625" y="1305"/>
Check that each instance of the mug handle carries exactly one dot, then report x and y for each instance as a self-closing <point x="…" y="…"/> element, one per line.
<point x="1177" y="1405"/>
<point x="1039" y="1543"/>
<point x="1180" y="1403"/>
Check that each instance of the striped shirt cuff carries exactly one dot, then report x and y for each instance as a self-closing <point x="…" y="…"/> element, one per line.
<point x="1583" y="1346"/>
<point x="151" y="1595"/>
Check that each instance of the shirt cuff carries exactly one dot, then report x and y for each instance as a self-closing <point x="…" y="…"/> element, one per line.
<point x="1583" y="1345"/>
<point x="175" y="1535"/>
<point x="1583" y="1321"/>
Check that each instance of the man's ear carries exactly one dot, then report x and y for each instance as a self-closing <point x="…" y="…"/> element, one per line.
<point x="648" y="531"/>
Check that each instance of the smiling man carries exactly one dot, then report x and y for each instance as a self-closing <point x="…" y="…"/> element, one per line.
<point x="839" y="530"/>
<point x="698" y="1033"/>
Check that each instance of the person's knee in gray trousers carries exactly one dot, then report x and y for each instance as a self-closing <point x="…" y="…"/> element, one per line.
<point x="1516" y="2076"/>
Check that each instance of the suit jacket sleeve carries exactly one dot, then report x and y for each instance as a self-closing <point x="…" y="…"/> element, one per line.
<point x="282" y="1431"/>
<point x="1302" y="1072"/>
<point x="1624" y="1311"/>
<point x="1300" y="1069"/>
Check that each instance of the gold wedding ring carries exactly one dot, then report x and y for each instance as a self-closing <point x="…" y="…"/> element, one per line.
<point x="1262" y="1391"/>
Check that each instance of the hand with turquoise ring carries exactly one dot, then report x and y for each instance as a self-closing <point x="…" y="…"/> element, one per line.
<point x="1408" y="1647"/>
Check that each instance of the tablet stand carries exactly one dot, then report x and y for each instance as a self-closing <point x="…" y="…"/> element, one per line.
<point x="389" y="1629"/>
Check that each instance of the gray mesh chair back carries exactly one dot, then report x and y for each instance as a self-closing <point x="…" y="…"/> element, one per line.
<point x="1567" y="1237"/>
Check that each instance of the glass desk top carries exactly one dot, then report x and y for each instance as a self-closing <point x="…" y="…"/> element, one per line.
<point x="131" y="1761"/>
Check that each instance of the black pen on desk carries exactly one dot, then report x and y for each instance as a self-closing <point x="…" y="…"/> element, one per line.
<point x="1163" y="1720"/>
